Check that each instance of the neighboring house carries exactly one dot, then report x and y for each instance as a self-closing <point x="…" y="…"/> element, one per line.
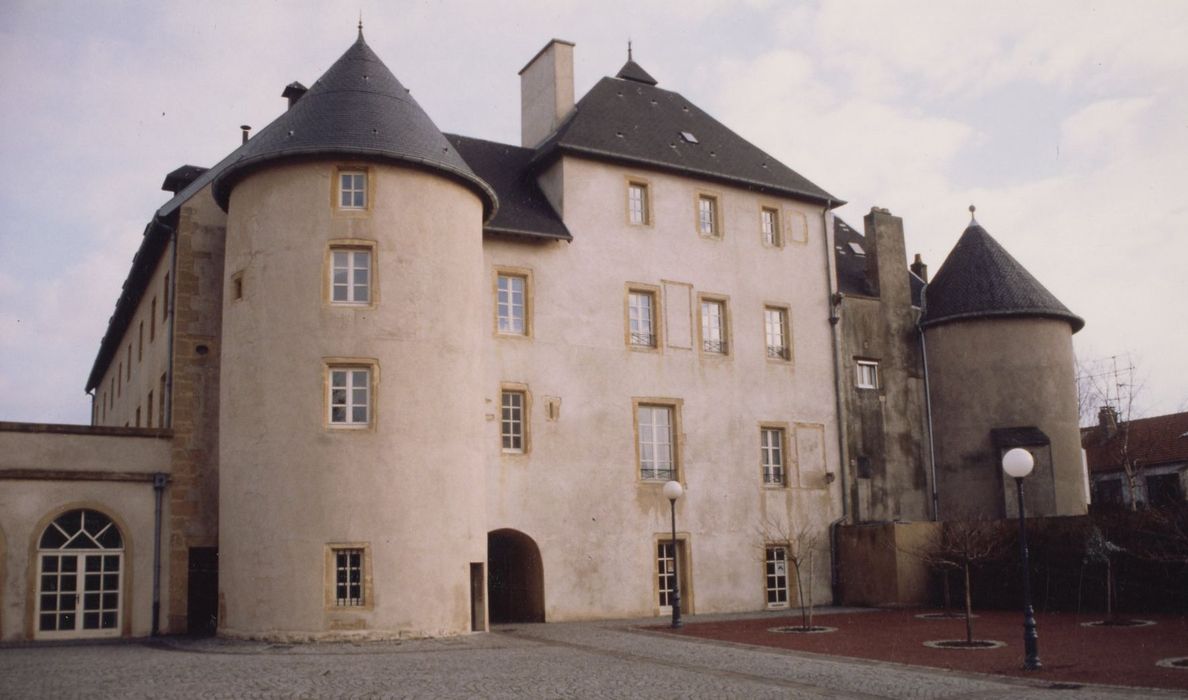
<point x="1156" y="449"/>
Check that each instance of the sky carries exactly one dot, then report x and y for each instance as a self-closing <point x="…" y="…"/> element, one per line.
<point x="1065" y="123"/>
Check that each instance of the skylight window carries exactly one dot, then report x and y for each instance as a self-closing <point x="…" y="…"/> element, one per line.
<point x="857" y="248"/>
<point x="689" y="137"/>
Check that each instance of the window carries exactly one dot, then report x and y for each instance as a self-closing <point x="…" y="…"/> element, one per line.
<point x="641" y="318"/>
<point x="713" y="326"/>
<point x="129" y="377"/>
<point x="79" y="577"/>
<point x="350" y="396"/>
<point x="671" y="562"/>
<point x="140" y="344"/>
<point x="771" y="446"/>
<point x="148" y="414"/>
<point x="119" y="383"/>
<point x="511" y="304"/>
<point x="638" y="205"/>
<point x="868" y="374"/>
<point x="1163" y="490"/>
<point x="153" y="321"/>
<point x="237" y="283"/>
<point x="352" y="189"/>
<point x="512" y="423"/>
<point x="708" y="223"/>
<point x="165" y="299"/>
<point x="776" y="568"/>
<point x="161" y="401"/>
<point x="657" y="447"/>
<point x="775" y="321"/>
<point x="348" y="577"/>
<point x="138" y="416"/>
<point x="350" y="276"/>
<point x="769" y="219"/>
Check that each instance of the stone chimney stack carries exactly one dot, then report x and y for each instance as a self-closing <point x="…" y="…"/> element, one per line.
<point x="885" y="255"/>
<point x="546" y="92"/>
<point x="919" y="268"/>
<point x="1107" y="417"/>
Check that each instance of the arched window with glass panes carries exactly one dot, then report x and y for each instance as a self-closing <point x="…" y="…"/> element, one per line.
<point x="80" y="560"/>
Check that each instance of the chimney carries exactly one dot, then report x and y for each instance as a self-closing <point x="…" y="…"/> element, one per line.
<point x="293" y="92"/>
<point x="546" y="92"/>
<point x="919" y="268"/>
<point x="245" y="129"/>
<point x="885" y="255"/>
<point x="1107" y="418"/>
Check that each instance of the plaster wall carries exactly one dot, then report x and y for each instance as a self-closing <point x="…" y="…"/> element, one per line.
<point x="28" y="505"/>
<point x="883" y="563"/>
<point x="1003" y="373"/>
<point x="577" y="490"/>
<point x="409" y="488"/>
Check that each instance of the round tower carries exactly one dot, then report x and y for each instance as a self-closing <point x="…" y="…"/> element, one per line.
<point x="1001" y="375"/>
<point x="351" y="401"/>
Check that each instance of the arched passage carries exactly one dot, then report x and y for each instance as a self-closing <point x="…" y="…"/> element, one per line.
<point x="515" y="578"/>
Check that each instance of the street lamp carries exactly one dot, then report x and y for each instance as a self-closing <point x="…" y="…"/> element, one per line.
<point x="1017" y="463"/>
<point x="672" y="491"/>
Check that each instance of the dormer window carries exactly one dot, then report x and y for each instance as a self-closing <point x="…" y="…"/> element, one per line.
<point x="352" y="189"/>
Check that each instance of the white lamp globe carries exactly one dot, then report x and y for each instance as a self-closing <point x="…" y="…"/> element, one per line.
<point x="1017" y="462"/>
<point x="673" y="490"/>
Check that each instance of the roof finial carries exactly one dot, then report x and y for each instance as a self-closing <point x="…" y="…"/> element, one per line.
<point x="629" y="49"/>
<point x="972" y="209"/>
<point x="360" y="23"/>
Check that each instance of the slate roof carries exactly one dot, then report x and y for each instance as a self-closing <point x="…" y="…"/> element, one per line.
<point x="523" y="208"/>
<point x="1152" y="441"/>
<point x="357" y="108"/>
<point x="851" y="267"/>
<point x="980" y="279"/>
<point x="626" y="119"/>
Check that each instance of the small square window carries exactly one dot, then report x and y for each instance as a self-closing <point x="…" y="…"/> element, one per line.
<point x="511" y="304"/>
<point x="638" y="204"/>
<point x="771" y="447"/>
<point x="350" y="276"/>
<point x="349" y="399"/>
<point x="775" y="321"/>
<point x="867" y="374"/>
<point x="641" y="318"/>
<point x="714" y="333"/>
<point x="656" y="427"/>
<point x="348" y="577"/>
<point x="776" y="570"/>
<point x="513" y="420"/>
<point x="352" y="189"/>
<point x="708" y="222"/>
<point x="770" y="223"/>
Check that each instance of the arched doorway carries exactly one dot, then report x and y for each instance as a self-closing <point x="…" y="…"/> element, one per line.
<point x="80" y="564"/>
<point x="515" y="578"/>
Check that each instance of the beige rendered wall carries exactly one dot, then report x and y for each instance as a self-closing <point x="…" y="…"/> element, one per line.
<point x="882" y="564"/>
<point x="577" y="491"/>
<point x="411" y="488"/>
<point x="1003" y="373"/>
<point x="31" y="500"/>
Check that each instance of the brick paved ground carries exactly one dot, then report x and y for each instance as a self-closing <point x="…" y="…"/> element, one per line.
<point x="605" y="660"/>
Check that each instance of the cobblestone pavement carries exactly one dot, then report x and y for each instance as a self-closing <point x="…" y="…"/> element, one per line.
<point x="560" y="660"/>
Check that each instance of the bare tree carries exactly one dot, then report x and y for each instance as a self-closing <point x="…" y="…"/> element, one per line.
<point x="801" y="544"/>
<point x="1107" y="394"/>
<point x="1099" y="550"/>
<point x="959" y="546"/>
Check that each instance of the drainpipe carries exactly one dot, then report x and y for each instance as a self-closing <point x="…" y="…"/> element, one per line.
<point x="835" y="299"/>
<point x="928" y="407"/>
<point x="159" y="481"/>
<point x="94" y="413"/>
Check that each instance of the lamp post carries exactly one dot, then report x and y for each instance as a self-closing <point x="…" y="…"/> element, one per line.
<point x="672" y="491"/>
<point x="1017" y="463"/>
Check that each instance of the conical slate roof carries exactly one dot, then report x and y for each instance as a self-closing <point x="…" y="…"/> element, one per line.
<point x="357" y="109"/>
<point x="980" y="279"/>
<point x="633" y="71"/>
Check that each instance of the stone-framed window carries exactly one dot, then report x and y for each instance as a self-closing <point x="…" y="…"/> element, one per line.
<point x="776" y="575"/>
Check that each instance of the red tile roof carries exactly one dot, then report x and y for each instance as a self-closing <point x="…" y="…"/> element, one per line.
<point x="1157" y="440"/>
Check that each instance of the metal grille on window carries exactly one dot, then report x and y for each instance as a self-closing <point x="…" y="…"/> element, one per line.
<point x="777" y="576"/>
<point x="667" y="571"/>
<point x="351" y="283"/>
<point x="352" y="190"/>
<point x="655" y="443"/>
<point x="513" y="421"/>
<point x="772" y="447"/>
<point x="348" y="577"/>
<point x="79" y="575"/>
<point x="637" y="199"/>
<point x="511" y="304"/>
<point x="713" y="327"/>
<point x="771" y="226"/>
<point x="707" y="215"/>
<point x="642" y="319"/>
<point x="776" y="322"/>
<point x="349" y="396"/>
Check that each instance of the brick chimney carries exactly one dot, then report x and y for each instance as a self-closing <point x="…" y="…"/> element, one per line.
<point x="919" y="268"/>
<point x="546" y="91"/>
<point x="1107" y="418"/>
